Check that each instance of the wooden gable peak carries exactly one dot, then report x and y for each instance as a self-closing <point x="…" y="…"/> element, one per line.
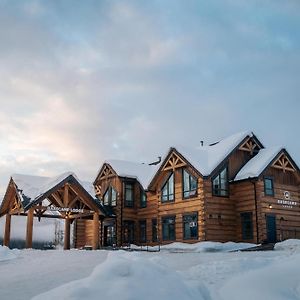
<point x="174" y="161"/>
<point x="283" y="163"/>
<point x="250" y="145"/>
<point x="106" y="172"/>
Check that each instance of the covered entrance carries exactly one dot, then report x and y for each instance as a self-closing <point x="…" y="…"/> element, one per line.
<point x="63" y="197"/>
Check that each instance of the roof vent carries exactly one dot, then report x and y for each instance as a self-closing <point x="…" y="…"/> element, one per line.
<point x="156" y="162"/>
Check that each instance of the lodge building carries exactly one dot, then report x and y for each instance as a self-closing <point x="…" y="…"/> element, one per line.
<point x="231" y="190"/>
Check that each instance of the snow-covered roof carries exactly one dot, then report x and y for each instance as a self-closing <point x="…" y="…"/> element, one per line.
<point x="32" y="188"/>
<point x="141" y="172"/>
<point x="258" y="163"/>
<point x="207" y="158"/>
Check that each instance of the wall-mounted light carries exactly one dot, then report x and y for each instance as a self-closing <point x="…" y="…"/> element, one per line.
<point x="270" y="206"/>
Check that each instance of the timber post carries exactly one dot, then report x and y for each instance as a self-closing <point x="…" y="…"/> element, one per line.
<point x="29" y="228"/>
<point x="6" y="239"/>
<point x="67" y="234"/>
<point x="95" y="231"/>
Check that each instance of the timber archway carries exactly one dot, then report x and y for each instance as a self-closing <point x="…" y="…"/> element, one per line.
<point x="63" y="197"/>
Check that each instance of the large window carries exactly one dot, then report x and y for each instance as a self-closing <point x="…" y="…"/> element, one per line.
<point x="168" y="228"/>
<point x="269" y="188"/>
<point x="190" y="226"/>
<point x="143" y="199"/>
<point x="189" y="185"/>
<point x="110" y="197"/>
<point x="220" y="183"/>
<point x="168" y="190"/>
<point x="128" y="232"/>
<point x="247" y="225"/>
<point x="129" y="194"/>
<point x="154" y="230"/>
<point x="143" y="231"/>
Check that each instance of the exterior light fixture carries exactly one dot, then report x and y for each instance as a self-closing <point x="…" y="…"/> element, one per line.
<point x="270" y="206"/>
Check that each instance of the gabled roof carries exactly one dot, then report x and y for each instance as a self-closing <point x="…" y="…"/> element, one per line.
<point x="207" y="158"/>
<point x="141" y="172"/>
<point x="32" y="189"/>
<point x="258" y="163"/>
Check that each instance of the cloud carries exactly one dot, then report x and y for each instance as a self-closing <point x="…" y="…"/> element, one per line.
<point x="127" y="79"/>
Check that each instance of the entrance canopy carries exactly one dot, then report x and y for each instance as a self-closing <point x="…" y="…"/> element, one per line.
<point x="64" y="196"/>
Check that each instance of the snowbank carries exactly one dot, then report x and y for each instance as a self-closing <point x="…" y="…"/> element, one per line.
<point x="201" y="247"/>
<point x="7" y="254"/>
<point x="127" y="276"/>
<point x="278" y="281"/>
<point x="291" y="244"/>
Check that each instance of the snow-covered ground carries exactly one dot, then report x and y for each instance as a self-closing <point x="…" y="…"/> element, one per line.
<point x="203" y="271"/>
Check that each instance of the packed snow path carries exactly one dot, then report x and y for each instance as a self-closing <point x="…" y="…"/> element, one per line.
<point x="34" y="272"/>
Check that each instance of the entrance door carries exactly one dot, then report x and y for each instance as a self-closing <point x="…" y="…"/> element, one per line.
<point x="109" y="235"/>
<point x="271" y="228"/>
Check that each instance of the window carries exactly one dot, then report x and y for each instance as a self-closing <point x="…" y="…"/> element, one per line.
<point x="168" y="190"/>
<point x="110" y="197"/>
<point x="269" y="188"/>
<point x="220" y="183"/>
<point x="143" y="199"/>
<point x="154" y="230"/>
<point x="129" y="194"/>
<point x="168" y="228"/>
<point x="189" y="185"/>
<point x="247" y="226"/>
<point x="128" y="232"/>
<point x="190" y="226"/>
<point x="143" y="231"/>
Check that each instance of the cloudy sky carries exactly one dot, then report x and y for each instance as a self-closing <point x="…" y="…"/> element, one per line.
<point x="83" y="81"/>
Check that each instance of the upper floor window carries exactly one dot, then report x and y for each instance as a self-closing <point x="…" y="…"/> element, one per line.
<point x="129" y="194"/>
<point x="168" y="190"/>
<point x="110" y="197"/>
<point x="269" y="187"/>
<point x="189" y="185"/>
<point x="143" y="199"/>
<point x="220" y="183"/>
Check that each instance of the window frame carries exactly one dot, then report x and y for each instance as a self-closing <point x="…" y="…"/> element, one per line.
<point x="143" y="199"/>
<point x="272" y="194"/>
<point x="163" y="220"/>
<point x="166" y="183"/>
<point x="144" y="238"/>
<point x="109" y="193"/>
<point x="218" y="175"/>
<point x="184" y="170"/>
<point x="192" y="214"/>
<point x="244" y="234"/>
<point x="128" y="203"/>
<point x="154" y="233"/>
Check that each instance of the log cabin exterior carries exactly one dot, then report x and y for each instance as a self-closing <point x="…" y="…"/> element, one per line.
<point x="231" y="190"/>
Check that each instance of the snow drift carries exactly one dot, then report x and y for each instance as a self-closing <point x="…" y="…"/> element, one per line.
<point x="7" y="254"/>
<point x="127" y="276"/>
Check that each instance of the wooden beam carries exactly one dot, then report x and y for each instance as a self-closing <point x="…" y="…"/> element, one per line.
<point x="67" y="234"/>
<point x="66" y="195"/>
<point x="96" y="231"/>
<point x="29" y="228"/>
<point x="6" y="239"/>
<point x="57" y="199"/>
